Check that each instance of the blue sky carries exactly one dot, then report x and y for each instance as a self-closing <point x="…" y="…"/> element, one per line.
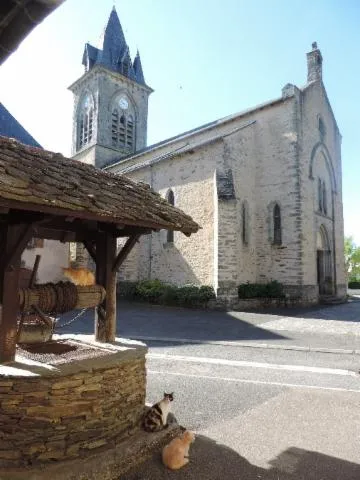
<point x="205" y="59"/>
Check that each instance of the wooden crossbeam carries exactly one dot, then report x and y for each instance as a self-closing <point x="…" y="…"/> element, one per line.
<point x="24" y="235"/>
<point x="124" y="252"/>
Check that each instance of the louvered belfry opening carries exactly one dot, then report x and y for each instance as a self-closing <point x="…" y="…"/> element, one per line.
<point x="122" y="129"/>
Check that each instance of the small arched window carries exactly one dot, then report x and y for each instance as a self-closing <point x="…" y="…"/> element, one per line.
<point x="85" y="122"/>
<point x="245" y="223"/>
<point x="320" y="195"/>
<point x="114" y="126"/>
<point x="123" y="125"/>
<point x="322" y="129"/>
<point x="170" y="233"/>
<point x="324" y="199"/>
<point x="277" y="225"/>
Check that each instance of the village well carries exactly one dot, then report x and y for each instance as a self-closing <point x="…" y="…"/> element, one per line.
<point x="68" y="405"/>
<point x="68" y="400"/>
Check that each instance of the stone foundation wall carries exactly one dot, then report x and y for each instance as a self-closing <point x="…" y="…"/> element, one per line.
<point x="295" y="296"/>
<point x="55" y="418"/>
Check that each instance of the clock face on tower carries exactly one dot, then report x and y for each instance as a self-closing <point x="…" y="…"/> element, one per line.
<point x="123" y="103"/>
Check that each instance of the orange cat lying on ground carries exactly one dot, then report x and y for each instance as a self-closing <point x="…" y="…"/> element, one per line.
<point x="176" y="454"/>
<point x="79" y="276"/>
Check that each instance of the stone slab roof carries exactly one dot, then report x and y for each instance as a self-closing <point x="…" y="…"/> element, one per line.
<point x="10" y="127"/>
<point x="18" y="18"/>
<point x="38" y="180"/>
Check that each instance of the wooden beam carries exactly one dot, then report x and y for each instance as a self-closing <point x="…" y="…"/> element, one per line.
<point x="90" y="248"/>
<point x="34" y="271"/>
<point x="21" y="217"/>
<point x="105" y="317"/>
<point x="124" y="252"/>
<point x="24" y="235"/>
<point x="9" y="287"/>
<point x="52" y="234"/>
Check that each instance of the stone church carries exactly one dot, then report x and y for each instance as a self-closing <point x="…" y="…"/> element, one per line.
<point x="264" y="184"/>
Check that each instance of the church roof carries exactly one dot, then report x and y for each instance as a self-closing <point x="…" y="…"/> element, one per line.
<point x="189" y="135"/>
<point x="113" y="52"/>
<point x="37" y="180"/>
<point x="10" y="127"/>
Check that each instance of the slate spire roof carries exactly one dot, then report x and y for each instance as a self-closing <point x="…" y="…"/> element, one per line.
<point x="10" y="127"/>
<point x="138" y="68"/>
<point x="113" y="52"/>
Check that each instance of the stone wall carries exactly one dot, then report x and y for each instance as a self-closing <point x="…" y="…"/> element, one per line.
<point x="56" y="416"/>
<point x="321" y="157"/>
<point x="54" y="255"/>
<point x="187" y="260"/>
<point x="269" y="152"/>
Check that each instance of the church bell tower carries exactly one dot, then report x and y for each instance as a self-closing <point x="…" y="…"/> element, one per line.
<point x="110" y="101"/>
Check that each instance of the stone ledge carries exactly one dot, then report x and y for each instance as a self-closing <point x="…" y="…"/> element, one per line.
<point x="122" y="350"/>
<point x="102" y="463"/>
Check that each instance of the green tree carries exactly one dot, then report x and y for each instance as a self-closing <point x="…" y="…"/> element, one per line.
<point x="352" y="259"/>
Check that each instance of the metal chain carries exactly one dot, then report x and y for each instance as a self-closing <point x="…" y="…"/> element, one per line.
<point x="69" y="322"/>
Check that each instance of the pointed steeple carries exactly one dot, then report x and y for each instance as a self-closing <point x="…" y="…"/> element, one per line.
<point x="114" y="42"/>
<point x="139" y="75"/>
<point x="113" y="52"/>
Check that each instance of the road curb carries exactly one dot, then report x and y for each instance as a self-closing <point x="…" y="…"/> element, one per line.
<point x="342" y="351"/>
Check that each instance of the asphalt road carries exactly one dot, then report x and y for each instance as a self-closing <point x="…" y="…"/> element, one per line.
<point x="259" y="414"/>
<point x="272" y="395"/>
<point x="217" y="383"/>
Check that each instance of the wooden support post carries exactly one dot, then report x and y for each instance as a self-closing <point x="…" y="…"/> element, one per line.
<point x="14" y="239"/>
<point x="105" y="317"/>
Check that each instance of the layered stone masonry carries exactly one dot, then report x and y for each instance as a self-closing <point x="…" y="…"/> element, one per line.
<point x="51" y="418"/>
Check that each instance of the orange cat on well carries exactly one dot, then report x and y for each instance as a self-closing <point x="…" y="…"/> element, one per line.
<point x="176" y="454"/>
<point x="79" y="276"/>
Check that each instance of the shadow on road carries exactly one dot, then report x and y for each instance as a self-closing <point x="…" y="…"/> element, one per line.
<point x="137" y="320"/>
<point x="140" y="319"/>
<point x="210" y="460"/>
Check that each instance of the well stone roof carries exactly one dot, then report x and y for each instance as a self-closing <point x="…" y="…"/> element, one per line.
<point x="38" y="180"/>
<point x="18" y="18"/>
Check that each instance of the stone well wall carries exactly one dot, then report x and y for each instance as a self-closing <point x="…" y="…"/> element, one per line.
<point x="54" y="413"/>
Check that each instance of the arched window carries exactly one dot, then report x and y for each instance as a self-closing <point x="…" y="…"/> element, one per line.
<point x="114" y="126"/>
<point x="245" y="223"/>
<point x="277" y="225"/>
<point x="170" y="233"/>
<point x="322" y="129"/>
<point x="85" y="122"/>
<point x="324" y="199"/>
<point x="130" y="131"/>
<point x="123" y="125"/>
<point x="320" y="197"/>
